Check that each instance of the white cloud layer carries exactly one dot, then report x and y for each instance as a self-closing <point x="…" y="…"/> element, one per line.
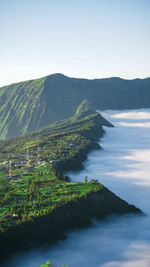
<point x="123" y="166"/>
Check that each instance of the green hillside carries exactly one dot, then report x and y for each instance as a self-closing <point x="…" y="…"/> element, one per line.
<point x="43" y="180"/>
<point x="59" y="140"/>
<point x="20" y="107"/>
<point x="28" y="106"/>
<point x="38" y="202"/>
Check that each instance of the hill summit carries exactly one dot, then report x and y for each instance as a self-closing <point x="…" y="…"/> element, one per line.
<point x="31" y="105"/>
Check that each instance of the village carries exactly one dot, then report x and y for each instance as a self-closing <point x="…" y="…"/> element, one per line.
<point x="25" y="162"/>
<point x="30" y="182"/>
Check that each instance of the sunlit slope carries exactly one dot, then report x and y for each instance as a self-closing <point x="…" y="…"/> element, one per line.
<point x="30" y="105"/>
<point x="37" y="201"/>
<point x="60" y="140"/>
<point x="40" y="178"/>
<point x="21" y="108"/>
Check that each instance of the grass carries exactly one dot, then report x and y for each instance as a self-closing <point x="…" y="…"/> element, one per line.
<point x="39" y="190"/>
<point x="37" y="194"/>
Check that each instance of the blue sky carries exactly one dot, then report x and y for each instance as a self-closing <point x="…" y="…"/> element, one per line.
<point x="91" y="39"/>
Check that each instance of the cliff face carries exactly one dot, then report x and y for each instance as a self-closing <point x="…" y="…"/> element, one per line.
<point x="76" y="214"/>
<point x="28" y="106"/>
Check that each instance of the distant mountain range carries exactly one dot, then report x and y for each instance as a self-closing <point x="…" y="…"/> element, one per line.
<point x="31" y="105"/>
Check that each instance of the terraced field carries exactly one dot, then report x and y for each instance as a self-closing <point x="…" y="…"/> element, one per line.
<point x="37" y="188"/>
<point x="36" y="194"/>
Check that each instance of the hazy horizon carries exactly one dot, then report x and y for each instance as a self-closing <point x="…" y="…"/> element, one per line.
<point x="71" y="76"/>
<point x="84" y="39"/>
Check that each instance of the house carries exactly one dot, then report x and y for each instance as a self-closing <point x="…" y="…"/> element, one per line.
<point x="94" y="181"/>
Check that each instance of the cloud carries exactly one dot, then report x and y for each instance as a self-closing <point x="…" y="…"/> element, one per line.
<point x="137" y="256"/>
<point x="124" y="167"/>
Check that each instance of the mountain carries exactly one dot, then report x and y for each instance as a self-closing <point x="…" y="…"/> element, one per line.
<point x="28" y="106"/>
<point x="58" y="140"/>
<point x="38" y="202"/>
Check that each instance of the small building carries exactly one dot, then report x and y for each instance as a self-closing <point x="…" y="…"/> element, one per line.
<point x="25" y="174"/>
<point x="94" y="181"/>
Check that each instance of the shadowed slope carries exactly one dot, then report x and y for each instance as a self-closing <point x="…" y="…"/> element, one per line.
<point x="30" y="105"/>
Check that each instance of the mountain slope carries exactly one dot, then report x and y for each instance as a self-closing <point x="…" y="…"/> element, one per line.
<point x="30" y="105"/>
<point x="58" y="140"/>
<point x="38" y="203"/>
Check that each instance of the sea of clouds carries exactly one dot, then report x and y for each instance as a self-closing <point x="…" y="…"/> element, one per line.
<point x="123" y="165"/>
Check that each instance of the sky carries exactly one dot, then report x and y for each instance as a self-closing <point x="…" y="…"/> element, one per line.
<point x="79" y="38"/>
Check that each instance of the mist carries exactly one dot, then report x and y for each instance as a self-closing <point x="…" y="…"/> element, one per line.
<point x="123" y="165"/>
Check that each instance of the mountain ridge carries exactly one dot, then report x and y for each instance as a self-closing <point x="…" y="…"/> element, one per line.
<point x="30" y="105"/>
<point x="72" y="77"/>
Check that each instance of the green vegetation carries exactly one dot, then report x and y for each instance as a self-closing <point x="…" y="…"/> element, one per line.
<point x="49" y="264"/>
<point x="19" y="105"/>
<point x="59" y="141"/>
<point x="38" y="189"/>
<point x="83" y="109"/>
<point x="28" y="106"/>
<point x="36" y="194"/>
<point x="38" y="203"/>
